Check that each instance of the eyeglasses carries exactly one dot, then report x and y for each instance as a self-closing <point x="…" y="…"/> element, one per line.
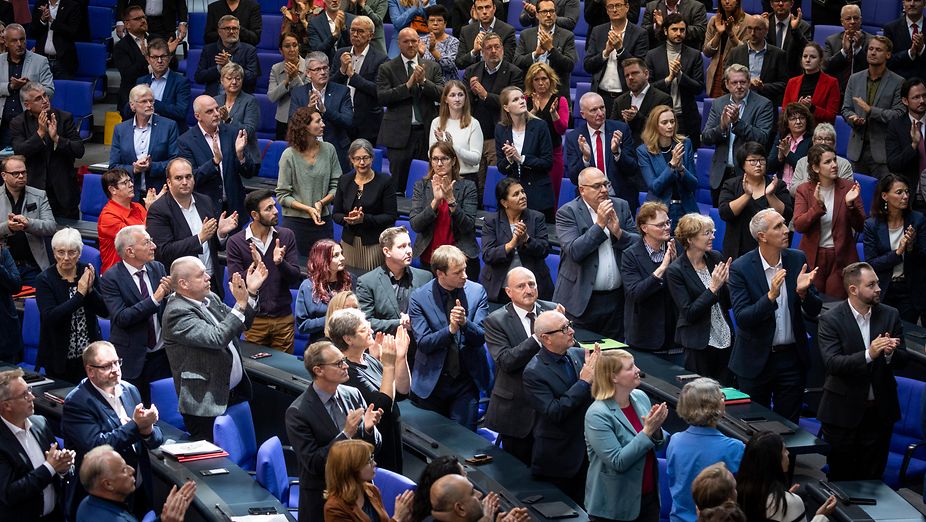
<point x="661" y="224"/>
<point x="546" y="11"/>
<point x="564" y="329"/>
<point x="362" y="159"/>
<point x="598" y="186"/>
<point x="67" y="253"/>
<point x="796" y="117"/>
<point x="230" y="29"/>
<point x="755" y="162"/>
<point x="440" y="160"/>
<point x="137" y="18"/>
<point x="159" y="58"/>
<point x="358" y="30"/>
<point x="340" y="363"/>
<point x="615" y="7"/>
<point x="124" y="182"/>
<point x="320" y="68"/>
<point x="23" y="396"/>
<point x="108" y="366"/>
<point x="16" y="174"/>
<point x="145" y="101"/>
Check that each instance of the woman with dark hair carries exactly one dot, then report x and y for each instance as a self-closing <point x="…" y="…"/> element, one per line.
<point x="541" y="85"/>
<point x="350" y="493"/>
<point x="815" y="90"/>
<point x="514" y="236"/>
<point x="309" y="173"/>
<point x="828" y="212"/>
<point x="726" y="30"/>
<point x="444" y="210"/>
<point x="895" y="246"/>
<point x="439" y="46"/>
<point x="523" y="151"/>
<point x="364" y="205"/>
<point x="762" y="483"/>
<point x="327" y="276"/>
<point x="437" y="468"/>
<point x="284" y="77"/>
<point x="667" y="164"/>
<point x="795" y="130"/>
<point x="456" y="125"/>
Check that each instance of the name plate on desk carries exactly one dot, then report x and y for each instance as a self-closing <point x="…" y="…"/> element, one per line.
<point x="191" y="449"/>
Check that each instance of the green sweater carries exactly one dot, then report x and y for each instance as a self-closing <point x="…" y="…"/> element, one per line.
<point x="305" y="183"/>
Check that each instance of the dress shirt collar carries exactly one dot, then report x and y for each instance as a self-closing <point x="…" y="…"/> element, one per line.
<point x="642" y="93"/>
<point x="491" y="26"/>
<point x="406" y="276"/>
<point x="765" y="265"/>
<point x="107" y="395"/>
<point x="147" y="124"/>
<point x="16" y="430"/>
<point x="652" y="251"/>
<point x="206" y="134"/>
<point x="322" y="394"/>
<point x="154" y="77"/>
<point x="497" y="67"/>
<point x="248" y="234"/>
<point x="757" y="51"/>
<point x="132" y="270"/>
<point x="362" y="53"/>
<point x="918" y="22"/>
<point x="522" y="313"/>
<point x="591" y="131"/>
<point x="913" y="120"/>
<point x="859" y="317"/>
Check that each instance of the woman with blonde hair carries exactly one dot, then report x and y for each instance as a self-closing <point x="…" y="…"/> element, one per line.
<point x="667" y="164"/>
<point x="455" y="125"/>
<point x="350" y="493"/>
<point x="339" y="301"/>
<point x="541" y="89"/>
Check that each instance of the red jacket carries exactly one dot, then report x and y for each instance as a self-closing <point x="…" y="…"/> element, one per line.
<point x="847" y="221"/>
<point x="826" y="97"/>
<point x="113" y="218"/>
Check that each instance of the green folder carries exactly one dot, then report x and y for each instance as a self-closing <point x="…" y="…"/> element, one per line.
<point x="732" y="394"/>
<point x="605" y="344"/>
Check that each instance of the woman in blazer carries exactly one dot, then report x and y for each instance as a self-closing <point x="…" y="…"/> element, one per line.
<point x="502" y="251"/>
<point x="239" y="108"/>
<point x="523" y="151"/>
<point x="444" y="210"/>
<point x="622" y="430"/>
<point x="895" y="246"/>
<point x="349" y="489"/>
<point x="795" y="133"/>
<point x="828" y="212"/>
<point x="68" y="296"/>
<point x="284" y="77"/>
<point x="726" y="30"/>
<point x="365" y="205"/>
<point x="698" y="284"/>
<point x="328" y="275"/>
<point x="814" y="89"/>
<point x="666" y="161"/>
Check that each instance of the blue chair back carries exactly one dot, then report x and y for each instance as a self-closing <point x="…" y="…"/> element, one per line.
<point x="578" y="70"/>
<point x="192" y="63"/>
<point x="581" y="89"/>
<point x="907" y="431"/>
<point x="102" y="20"/>
<point x="164" y="396"/>
<point x="417" y="170"/>
<point x="705" y="111"/>
<point x="567" y="192"/>
<point x="390" y="485"/>
<point x="493" y="176"/>
<point x="822" y="32"/>
<point x="378" y="161"/>
<point x="843" y="131"/>
<point x="270" y="35"/>
<point x="552" y="261"/>
<point x="581" y="29"/>
<point x="665" y="495"/>
<point x="880" y="12"/>
<point x="267" y="128"/>
<point x="703" y="167"/>
<point x="720" y="228"/>
<point x="92" y="199"/>
<point x="271" y="7"/>
<point x="271" y="469"/>
<point x="270" y="165"/>
<point x="265" y="61"/>
<point x="91" y="256"/>
<point x="262" y="144"/>
<point x="234" y="432"/>
<point x="104" y="327"/>
<point x="32" y="322"/>
<point x="514" y="14"/>
<point x="868" y="185"/>
<point x="796" y="238"/>
<point x="92" y="66"/>
<point x="195" y="34"/>
<point x="76" y="97"/>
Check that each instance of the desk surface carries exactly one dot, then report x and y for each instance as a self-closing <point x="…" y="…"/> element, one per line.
<point x="890" y="507"/>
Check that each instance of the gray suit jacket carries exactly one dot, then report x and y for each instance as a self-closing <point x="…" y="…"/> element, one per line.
<point x="562" y="57"/>
<point x="579" y="238"/>
<point x="754" y="125"/>
<point x="35" y="67"/>
<point x="41" y="222"/>
<point x="377" y="298"/>
<point x="198" y="352"/>
<point x="245" y="114"/>
<point x="886" y="107"/>
<point x="279" y="91"/>
<point x="398" y="99"/>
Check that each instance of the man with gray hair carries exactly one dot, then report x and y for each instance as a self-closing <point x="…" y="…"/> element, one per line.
<point x="135" y="291"/>
<point x="330" y="29"/>
<point x="29" y="223"/>
<point x="19" y="67"/>
<point x="823" y="134"/>
<point x="356" y="66"/>
<point x="772" y="291"/>
<point x="845" y="52"/>
<point x="768" y="64"/>
<point x="332" y="100"/>
<point x="227" y="49"/>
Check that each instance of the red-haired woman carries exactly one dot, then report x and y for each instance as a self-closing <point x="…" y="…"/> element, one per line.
<point x="327" y="276"/>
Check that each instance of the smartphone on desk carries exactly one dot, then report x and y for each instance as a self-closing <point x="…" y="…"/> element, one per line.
<point x="479" y="459"/>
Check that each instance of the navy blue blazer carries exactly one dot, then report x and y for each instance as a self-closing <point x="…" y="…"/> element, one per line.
<point x="321" y="39"/>
<point x="534" y="170"/>
<point x="660" y="179"/>
<point x="162" y="148"/>
<point x="338" y="117"/>
<point x="899" y="33"/>
<point x="207" y="72"/>
<point x="10" y="284"/>
<point x="649" y="313"/>
<point x="755" y="314"/>
<point x="129" y="314"/>
<point x="175" y="102"/>
<point x="432" y="333"/>
<point x="193" y="147"/>
<point x="96" y="508"/>
<point x="694" y="301"/>
<point x="883" y="258"/>
<point x="623" y="173"/>
<point x="21" y="484"/>
<point x="495" y="233"/>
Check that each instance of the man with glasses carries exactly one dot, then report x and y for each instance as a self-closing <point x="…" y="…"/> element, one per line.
<point x="229" y="48"/>
<point x="473" y="34"/>
<point x="549" y="42"/>
<point x="104" y="409"/>
<point x="789" y="32"/>
<point x="906" y="153"/>
<point x="32" y="466"/>
<point x="594" y="230"/>
<point x="332" y="100"/>
<point x="29" y="223"/>
<point x="767" y="64"/>
<point x="823" y="134"/>
<point x="564" y="13"/>
<point x="16" y="71"/>
<point x="171" y="90"/>
<point x="329" y="29"/>
<point x="846" y="52"/>
<point x="119" y="212"/>
<point x="557" y="384"/>
<point x="608" y="46"/>
<point x="49" y="140"/>
<point x="245" y="11"/>
<point x="129" y="54"/>
<point x="356" y="67"/>
<point x="327" y="411"/>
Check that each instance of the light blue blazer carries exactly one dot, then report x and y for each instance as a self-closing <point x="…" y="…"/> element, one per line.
<point x="661" y="179"/>
<point x="616" y="454"/>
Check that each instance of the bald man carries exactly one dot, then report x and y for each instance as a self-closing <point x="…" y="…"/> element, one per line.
<point x="454" y="499"/>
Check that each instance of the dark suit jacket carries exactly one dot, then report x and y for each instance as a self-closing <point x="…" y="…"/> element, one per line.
<point x="64" y="27"/>
<point x="694" y="301"/>
<point x="567" y="14"/>
<point x="902" y="158"/>
<point x="193" y="146"/>
<point x="623" y="172"/>
<point x="176" y="99"/>
<point x="129" y="314"/>
<point x="848" y="376"/>
<point x="755" y="314"/>
<point x="131" y="63"/>
<point x="652" y="98"/>
<point x="207" y="72"/>
<point x="10" y="284"/>
<point x="649" y="313"/>
<point x="559" y="444"/>
<point x="838" y="65"/>
<point x="393" y="94"/>
<point x="897" y="32"/>
<point x="248" y="15"/>
<point x="487" y="111"/>
<point x="365" y="99"/>
<point x="462" y="217"/>
<point x="774" y="73"/>
<point x="378" y="202"/>
<point x="883" y="258"/>
<point x="695" y="16"/>
<point x="338" y="117"/>
<point x="636" y="43"/>
<point x="495" y="233"/>
<point x="172" y="13"/>
<point x="534" y="170"/>
<point x="737" y="240"/>
<point x="794" y="42"/>
<point x="377" y="298"/>
<point x="320" y="38"/>
<point x="162" y="148"/>
<point x="21" y="485"/>
<point x="754" y="125"/>
<point x="509" y="411"/>
<point x="690" y="85"/>
<point x="468" y="34"/>
<point x="6" y="13"/>
<point x="562" y="57"/>
<point x="847" y="222"/>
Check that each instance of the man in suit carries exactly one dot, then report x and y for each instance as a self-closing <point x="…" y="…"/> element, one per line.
<point x="219" y="153"/>
<point x="693" y="13"/>
<point x="29" y="222"/>
<point x="869" y="110"/>
<point x="767" y="64"/>
<point x="324" y="39"/>
<point x="905" y="34"/>
<point x="473" y="34"/>
<point x="332" y="99"/>
<point x="862" y="343"/>
<point x="103" y="409"/>
<point x="166" y="19"/>
<point x="61" y="20"/>
<point x="143" y="145"/>
<point x="171" y="89"/>
<point x="200" y="335"/>
<point x="227" y="49"/>
<point x="608" y="46"/>
<point x="635" y="104"/>
<point x="557" y="385"/>
<point x="135" y="292"/>
<point x="18" y="69"/>
<point x="357" y="67"/>
<point x="772" y="291"/>
<point x="735" y="118"/>
<point x="129" y="53"/>
<point x="245" y="11"/>
<point x="450" y="364"/>
<point x="409" y="89"/>
<point x="182" y="223"/>
<point x="375" y="10"/>
<point x="328" y="411"/>
<point x="605" y="144"/>
<point x="846" y="52"/>
<point x="906" y="154"/>
<point x="550" y="43"/>
<point x="678" y="70"/>
<point x="565" y="14"/>
<point x="50" y="142"/>
<point x="509" y="333"/>
<point x="594" y="230"/>
<point x="32" y="467"/>
<point x="789" y="32"/>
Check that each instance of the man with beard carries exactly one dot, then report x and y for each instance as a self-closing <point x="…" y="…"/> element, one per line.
<point x="906" y="154"/>
<point x="862" y="343"/>
<point x="261" y="241"/>
<point x="227" y="49"/>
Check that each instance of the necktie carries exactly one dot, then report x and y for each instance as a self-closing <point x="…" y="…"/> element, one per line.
<point x="916" y="30"/>
<point x="337" y="413"/>
<point x="416" y="111"/>
<point x="566" y="362"/>
<point x="143" y="46"/>
<point x="921" y="148"/>
<point x="143" y="288"/>
<point x="530" y="317"/>
<point x="599" y="152"/>
<point x="781" y="34"/>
